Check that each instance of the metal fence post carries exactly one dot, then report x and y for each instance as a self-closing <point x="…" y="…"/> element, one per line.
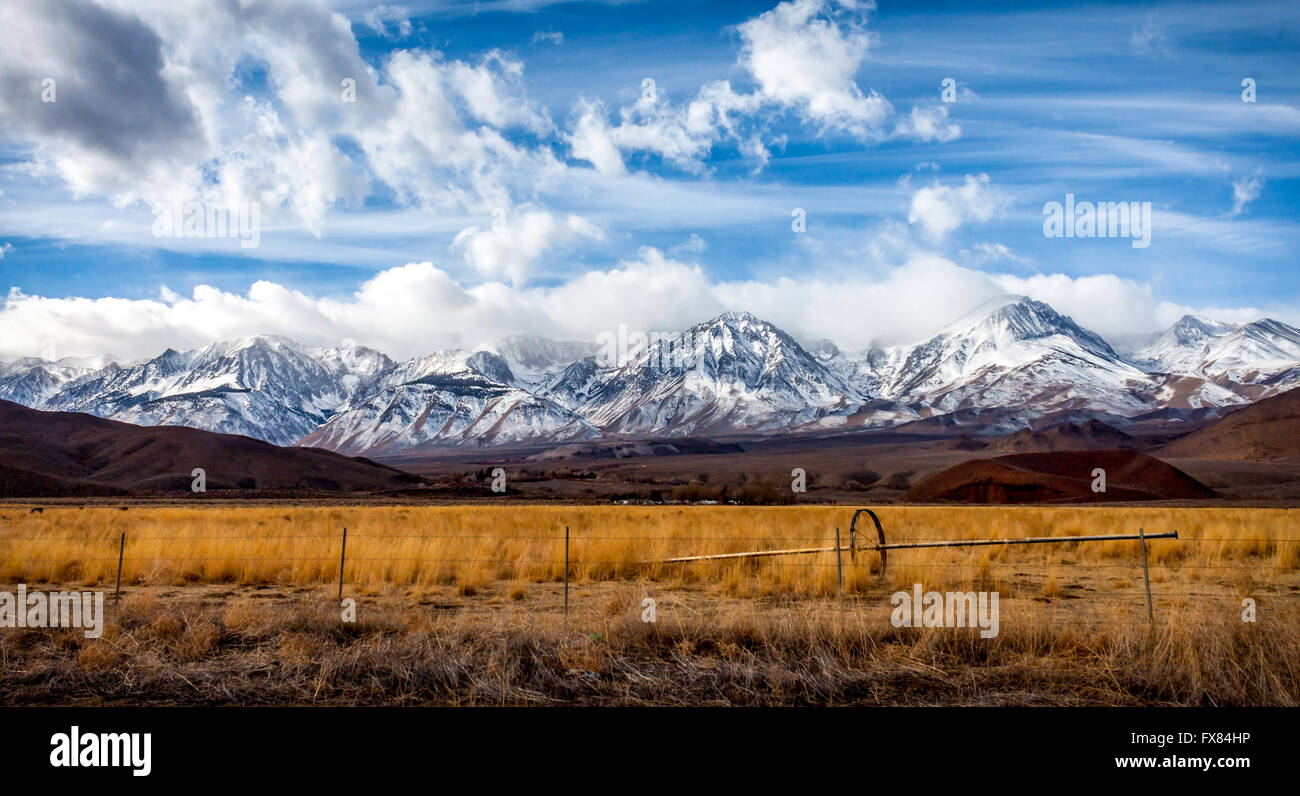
<point x="1146" y="575"/>
<point x="121" y="548"/>
<point x="342" y="557"/>
<point x="566" y="573"/>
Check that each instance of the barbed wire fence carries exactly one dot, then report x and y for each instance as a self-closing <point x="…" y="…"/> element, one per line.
<point x="1186" y="578"/>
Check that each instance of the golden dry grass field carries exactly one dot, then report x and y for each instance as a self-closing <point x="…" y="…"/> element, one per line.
<point x="471" y="546"/>
<point x="464" y="605"/>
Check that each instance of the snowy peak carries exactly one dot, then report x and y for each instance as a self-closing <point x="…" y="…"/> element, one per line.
<point x="1194" y="330"/>
<point x="1016" y="352"/>
<point x="1196" y="346"/>
<point x="734" y="372"/>
<point x="1016" y="319"/>
<point x="739" y="346"/>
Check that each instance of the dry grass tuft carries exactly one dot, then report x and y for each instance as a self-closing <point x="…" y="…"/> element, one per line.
<point x="705" y="651"/>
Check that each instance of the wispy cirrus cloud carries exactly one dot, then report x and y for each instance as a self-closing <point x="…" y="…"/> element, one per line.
<point x="1244" y="191"/>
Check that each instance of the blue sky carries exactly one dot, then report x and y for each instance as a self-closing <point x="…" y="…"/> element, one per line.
<point x="506" y="169"/>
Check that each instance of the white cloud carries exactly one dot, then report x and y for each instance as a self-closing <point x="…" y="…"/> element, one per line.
<point x="940" y="208"/>
<point x="805" y="55"/>
<point x="150" y="108"/>
<point x="986" y="252"/>
<point x="417" y="308"/>
<point x="1105" y="303"/>
<point x="404" y="311"/>
<point x="515" y="240"/>
<point x="493" y="91"/>
<point x="114" y="102"/>
<point x="652" y="124"/>
<point x="591" y="140"/>
<point x="906" y="304"/>
<point x="693" y="245"/>
<point x="928" y="123"/>
<point x="382" y="16"/>
<point x="1244" y="191"/>
<point x="553" y="36"/>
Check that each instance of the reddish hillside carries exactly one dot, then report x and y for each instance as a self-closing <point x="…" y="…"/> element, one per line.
<point x="1059" y="477"/>
<point x="1267" y="430"/>
<point x="69" y="454"/>
<point x="1086" y="436"/>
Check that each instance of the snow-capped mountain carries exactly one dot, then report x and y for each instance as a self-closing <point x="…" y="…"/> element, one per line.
<point x="265" y="387"/>
<point x="30" y="381"/>
<point x="1209" y="363"/>
<point x="1014" y="352"/>
<point x="733" y="373"/>
<point x="1004" y="365"/>
<point x="451" y="398"/>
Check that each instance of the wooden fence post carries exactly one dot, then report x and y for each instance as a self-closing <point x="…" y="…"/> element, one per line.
<point x="121" y="548"/>
<point x="1146" y="575"/>
<point x="342" y="557"/>
<point x="839" y="564"/>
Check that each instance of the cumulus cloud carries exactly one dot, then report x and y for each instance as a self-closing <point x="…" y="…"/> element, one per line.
<point x="150" y="107"/>
<point x="1105" y="303"/>
<point x="404" y="311"/>
<point x="112" y="100"/>
<point x="230" y="103"/>
<point x="591" y="140"/>
<point x="492" y="91"/>
<point x="914" y="300"/>
<point x="652" y="124"/>
<point x="928" y="123"/>
<point x="941" y="208"/>
<point x="514" y="241"/>
<point x="417" y="308"/>
<point x="802" y="58"/>
<point x="805" y="55"/>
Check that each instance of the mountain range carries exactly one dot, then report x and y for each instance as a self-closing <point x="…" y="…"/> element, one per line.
<point x="1005" y="364"/>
